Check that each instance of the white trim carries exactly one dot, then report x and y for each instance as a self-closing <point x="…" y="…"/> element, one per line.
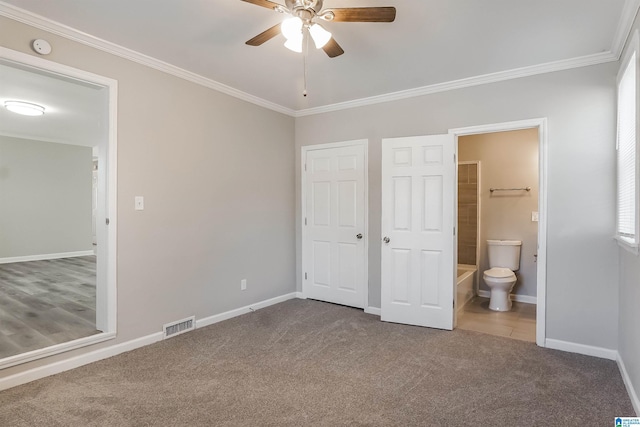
<point x="373" y="310"/>
<point x="111" y="294"/>
<point x="514" y="297"/>
<point x="104" y="353"/>
<point x="54" y="349"/>
<point x="243" y="310"/>
<point x="106" y="293"/>
<point x="628" y="384"/>
<point x="40" y="138"/>
<point x="300" y="295"/>
<point x="625" y="244"/>
<point x="41" y="257"/>
<point x="303" y="199"/>
<point x="625" y="26"/>
<point x="541" y="125"/>
<point x="550" y="67"/>
<point x="587" y="350"/>
<point x="67" y="32"/>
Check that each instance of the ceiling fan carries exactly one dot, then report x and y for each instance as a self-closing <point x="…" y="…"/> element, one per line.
<point x="303" y="21"/>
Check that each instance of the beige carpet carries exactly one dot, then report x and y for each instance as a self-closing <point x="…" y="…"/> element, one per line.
<point x="312" y="363"/>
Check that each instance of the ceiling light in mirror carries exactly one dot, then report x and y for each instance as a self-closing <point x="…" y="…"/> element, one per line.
<point x="24" y="108"/>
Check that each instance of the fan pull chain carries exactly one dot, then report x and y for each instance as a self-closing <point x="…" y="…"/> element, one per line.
<point x="304" y="62"/>
<point x="304" y="92"/>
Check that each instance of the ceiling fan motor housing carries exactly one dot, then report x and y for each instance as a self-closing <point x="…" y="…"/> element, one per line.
<point x="314" y="6"/>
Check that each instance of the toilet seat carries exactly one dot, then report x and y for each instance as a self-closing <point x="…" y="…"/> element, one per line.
<point x="500" y="274"/>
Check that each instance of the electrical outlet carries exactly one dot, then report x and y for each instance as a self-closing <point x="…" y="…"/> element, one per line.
<point x="243" y="284"/>
<point x="534" y="216"/>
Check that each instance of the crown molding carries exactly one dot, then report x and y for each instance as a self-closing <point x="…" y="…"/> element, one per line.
<point x="67" y="32"/>
<point x="550" y="67"/>
<point x="625" y="25"/>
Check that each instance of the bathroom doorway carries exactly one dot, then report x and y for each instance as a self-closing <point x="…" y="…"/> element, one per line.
<point x="500" y="196"/>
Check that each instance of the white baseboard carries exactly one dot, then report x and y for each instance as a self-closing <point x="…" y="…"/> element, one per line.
<point x="106" y="352"/>
<point x="243" y="310"/>
<point x="514" y="297"/>
<point x="41" y="257"/>
<point x="587" y="350"/>
<point x="373" y="310"/>
<point x="300" y="295"/>
<point x="629" y="385"/>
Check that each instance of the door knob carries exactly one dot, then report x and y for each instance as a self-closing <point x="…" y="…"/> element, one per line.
<point x="386" y="240"/>
<point x="359" y="236"/>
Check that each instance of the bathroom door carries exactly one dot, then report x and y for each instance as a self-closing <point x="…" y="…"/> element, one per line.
<point x="418" y="230"/>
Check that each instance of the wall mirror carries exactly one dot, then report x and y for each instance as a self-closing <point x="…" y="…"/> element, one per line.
<point x="57" y="208"/>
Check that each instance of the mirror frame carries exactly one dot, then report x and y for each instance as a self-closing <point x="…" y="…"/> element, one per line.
<point x="105" y="298"/>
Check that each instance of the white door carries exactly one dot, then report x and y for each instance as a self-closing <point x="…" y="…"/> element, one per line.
<point x="418" y="230"/>
<point x="334" y="236"/>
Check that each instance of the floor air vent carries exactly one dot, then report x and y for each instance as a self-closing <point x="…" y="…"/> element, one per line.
<point x="179" y="327"/>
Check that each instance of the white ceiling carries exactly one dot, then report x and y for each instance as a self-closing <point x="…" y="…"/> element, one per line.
<point x="431" y="42"/>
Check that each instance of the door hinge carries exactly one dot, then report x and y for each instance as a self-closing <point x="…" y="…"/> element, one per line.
<point x="454" y="157"/>
<point x="454" y="231"/>
<point x="305" y="221"/>
<point x="454" y="303"/>
<point x="106" y="221"/>
<point x="305" y="167"/>
<point x="305" y="276"/>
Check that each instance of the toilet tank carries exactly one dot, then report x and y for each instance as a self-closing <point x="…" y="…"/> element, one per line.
<point x="504" y="253"/>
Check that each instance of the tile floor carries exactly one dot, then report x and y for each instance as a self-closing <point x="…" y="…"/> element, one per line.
<point x="519" y="323"/>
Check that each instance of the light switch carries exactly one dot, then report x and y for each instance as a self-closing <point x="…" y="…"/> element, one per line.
<point x="139" y="203"/>
<point x="534" y="216"/>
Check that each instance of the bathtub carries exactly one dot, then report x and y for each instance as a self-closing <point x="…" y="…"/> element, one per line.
<point x="464" y="288"/>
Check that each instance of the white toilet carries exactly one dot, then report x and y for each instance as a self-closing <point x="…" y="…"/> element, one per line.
<point x="504" y="259"/>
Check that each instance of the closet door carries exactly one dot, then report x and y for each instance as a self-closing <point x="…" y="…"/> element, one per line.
<point x="334" y="240"/>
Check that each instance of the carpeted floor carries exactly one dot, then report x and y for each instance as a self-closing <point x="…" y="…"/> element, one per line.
<point x="312" y="363"/>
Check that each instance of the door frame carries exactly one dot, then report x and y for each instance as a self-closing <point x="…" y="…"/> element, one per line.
<point x="303" y="211"/>
<point x="478" y="163"/>
<point x="106" y="289"/>
<point x="541" y="125"/>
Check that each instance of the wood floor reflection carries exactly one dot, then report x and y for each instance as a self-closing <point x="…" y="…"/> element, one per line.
<point x="519" y="323"/>
<point x="43" y="303"/>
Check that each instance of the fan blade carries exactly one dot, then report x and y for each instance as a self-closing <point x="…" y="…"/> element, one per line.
<point x="332" y="48"/>
<point x="264" y="3"/>
<point x="364" y="14"/>
<point x="264" y="36"/>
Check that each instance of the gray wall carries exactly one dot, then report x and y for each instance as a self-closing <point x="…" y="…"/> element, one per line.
<point x="217" y="174"/>
<point x="45" y="198"/>
<point x="508" y="160"/>
<point x="582" y="282"/>
<point x="629" y="315"/>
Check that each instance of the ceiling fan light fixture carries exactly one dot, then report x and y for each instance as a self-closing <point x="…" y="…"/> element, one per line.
<point x="319" y="35"/>
<point x="292" y="28"/>
<point x="24" y="108"/>
<point x="294" y="44"/>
